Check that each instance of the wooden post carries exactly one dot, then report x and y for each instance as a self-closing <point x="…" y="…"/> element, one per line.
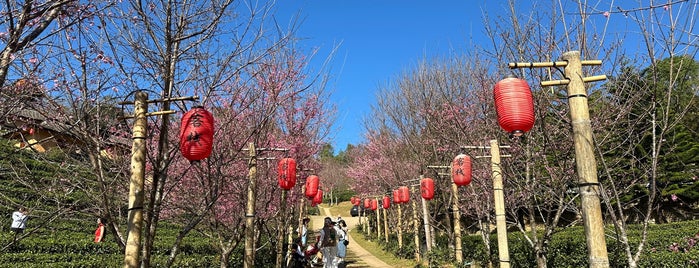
<point x="385" y="224"/>
<point x="457" y="224"/>
<point x="378" y="220"/>
<point x="585" y="162"/>
<point x="249" y="259"/>
<point x="281" y="229"/>
<point x="400" y="226"/>
<point x="426" y="220"/>
<point x="416" y="227"/>
<point x="501" y="224"/>
<point x="138" y="167"/>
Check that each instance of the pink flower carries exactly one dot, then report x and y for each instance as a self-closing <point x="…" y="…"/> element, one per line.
<point x="606" y="14"/>
<point x="673" y="197"/>
<point x="666" y="7"/>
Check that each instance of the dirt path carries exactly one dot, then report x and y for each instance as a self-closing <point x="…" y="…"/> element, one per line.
<point x="356" y="255"/>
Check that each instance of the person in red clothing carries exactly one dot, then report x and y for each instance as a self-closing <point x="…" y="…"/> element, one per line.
<point x="99" y="233"/>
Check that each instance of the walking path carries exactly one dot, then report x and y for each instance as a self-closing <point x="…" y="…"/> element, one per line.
<point x="357" y="256"/>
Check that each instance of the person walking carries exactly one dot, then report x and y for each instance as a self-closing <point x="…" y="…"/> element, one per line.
<point x="340" y="229"/>
<point x="19" y="221"/>
<point x="304" y="231"/>
<point x="328" y="243"/>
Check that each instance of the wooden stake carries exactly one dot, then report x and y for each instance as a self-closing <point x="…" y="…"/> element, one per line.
<point x="249" y="259"/>
<point x="138" y="168"/>
<point x="501" y="224"/>
<point x="585" y="162"/>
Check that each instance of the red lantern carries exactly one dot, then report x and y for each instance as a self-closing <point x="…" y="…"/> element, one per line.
<point x="404" y="194"/>
<point x="196" y="134"/>
<point x="515" y="105"/>
<point x="396" y="196"/>
<point x="318" y="198"/>
<point x="386" y="203"/>
<point x="427" y="188"/>
<point x="367" y="203"/>
<point x="374" y="204"/>
<point x="352" y="200"/>
<point x="312" y="186"/>
<point x="461" y="170"/>
<point x="286" y="170"/>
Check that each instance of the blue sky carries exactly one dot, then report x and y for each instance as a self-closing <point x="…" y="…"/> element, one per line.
<point x="377" y="40"/>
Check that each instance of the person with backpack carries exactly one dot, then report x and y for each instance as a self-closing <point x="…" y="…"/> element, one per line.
<point x="328" y="243"/>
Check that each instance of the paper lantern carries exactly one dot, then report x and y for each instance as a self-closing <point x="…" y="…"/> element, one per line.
<point x="386" y="202"/>
<point x="352" y="200"/>
<point x="515" y="105"/>
<point x="461" y="170"/>
<point x="286" y="170"/>
<point x="312" y="183"/>
<point x="427" y="188"/>
<point x="404" y="194"/>
<point x="319" y="197"/>
<point x="374" y="204"/>
<point x="367" y="203"/>
<point x="396" y="196"/>
<point x="196" y="134"/>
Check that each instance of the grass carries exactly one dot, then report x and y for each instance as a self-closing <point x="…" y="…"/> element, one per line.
<point x="376" y="250"/>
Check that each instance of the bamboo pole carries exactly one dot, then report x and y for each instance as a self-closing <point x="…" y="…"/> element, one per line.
<point x="366" y="220"/>
<point x="585" y="162"/>
<point x="281" y="229"/>
<point x="378" y="220"/>
<point x="302" y="208"/>
<point x="290" y="242"/>
<point x="400" y="226"/>
<point x="249" y="259"/>
<point x="426" y="221"/>
<point x="416" y="227"/>
<point x="385" y="224"/>
<point x="501" y="224"/>
<point x="138" y="167"/>
<point x="457" y="224"/>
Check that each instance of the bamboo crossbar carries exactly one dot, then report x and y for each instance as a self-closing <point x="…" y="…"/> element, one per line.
<point x="514" y="65"/>
<point x="438" y="166"/>
<point x="481" y="147"/>
<point x="566" y="81"/>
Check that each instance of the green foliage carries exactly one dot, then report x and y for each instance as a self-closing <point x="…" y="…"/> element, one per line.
<point x="27" y="177"/>
<point x="668" y="245"/>
<point x="344" y="194"/>
<point x="656" y="105"/>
